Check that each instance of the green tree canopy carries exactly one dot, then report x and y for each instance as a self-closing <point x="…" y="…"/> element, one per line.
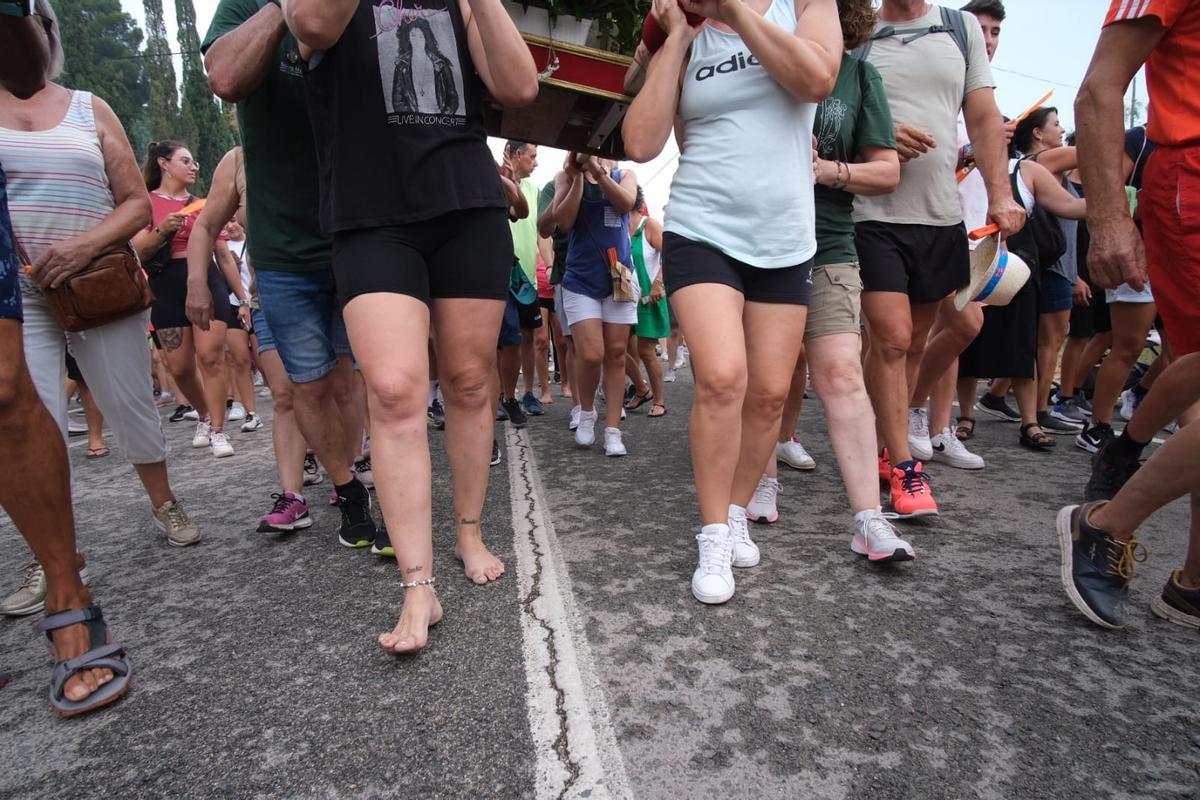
<point x="103" y="46"/>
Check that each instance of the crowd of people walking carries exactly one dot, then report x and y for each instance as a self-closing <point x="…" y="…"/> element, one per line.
<point x="898" y="242"/>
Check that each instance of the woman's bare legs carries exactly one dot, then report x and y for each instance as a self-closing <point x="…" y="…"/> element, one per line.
<point x="388" y="333"/>
<point x="616" y="346"/>
<point x="588" y="339"/>
<point x="711" y="316"/>
<point x="238" y="358"/>
<point x="180" y="354"/>
<point x="350" y="395"/>
<point x="1131" y="322"/>
<point x="91" y="412"/>
<point x="654" y="368"/>
<point x="562" y="353"/>
<point x="210" y="355"/>
<point x="541" y="358"/>
<point x="838" y="380"/>
<point x="466" y="366"/>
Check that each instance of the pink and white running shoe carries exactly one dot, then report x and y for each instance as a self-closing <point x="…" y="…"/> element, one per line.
<point x="877" y="540"/>
<point x="290" y="513"/>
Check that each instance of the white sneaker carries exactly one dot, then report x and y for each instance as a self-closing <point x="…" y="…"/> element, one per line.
<point x="948" y="449"/>
<point x="613" y="446"/>
<point x="918" y="434"/>
<point x="258" y="378"/>
<point x="681" y="357"/>
<point x="313" y="474"/>
<point x="745" y="552"/>
<point x="193" y="415"/>
<point x="202" y="437"/>
<point x="76" y="427"/>
<point x="574" y="418"/>
<point x="236" y="412"/>
<point x="252" y="423"/>
<point x="669" y="375"/>
<point x="712" y="582"/>
<point x="763" y="507"/>
<point x="794" y="455"/>
<point x="877" y="540"/>
<point x="585" y="433"/>
<point x="221" y="448"/>
<point x="1129" y="404"/>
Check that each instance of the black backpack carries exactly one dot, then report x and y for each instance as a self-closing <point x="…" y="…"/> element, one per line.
<point x="1043" y="229"/>
<point x="954" y="22"/>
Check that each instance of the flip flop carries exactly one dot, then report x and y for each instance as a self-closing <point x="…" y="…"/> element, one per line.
<point x="651" y="413"/>
<point x="98" y="452"/>
<point x="109" y="656"/>
<point x="638" y="400"/>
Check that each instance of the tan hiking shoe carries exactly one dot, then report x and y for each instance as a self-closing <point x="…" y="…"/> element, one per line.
<point x="172" y="520"/>
<point x="30" y="596"/>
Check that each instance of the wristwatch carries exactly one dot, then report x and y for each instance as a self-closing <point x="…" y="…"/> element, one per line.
<point x="16" y="8"/>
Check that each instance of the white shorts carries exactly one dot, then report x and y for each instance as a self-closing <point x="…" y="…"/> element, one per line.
<point x="580" y="308"/>
<point x="560" y="312"/>
<point x="1126" y="294"/>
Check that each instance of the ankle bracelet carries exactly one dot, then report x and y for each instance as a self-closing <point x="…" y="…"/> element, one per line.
<point x="422" y="582"/>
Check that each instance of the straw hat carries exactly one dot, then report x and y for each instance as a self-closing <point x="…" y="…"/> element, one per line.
<point x="996" y="274"/>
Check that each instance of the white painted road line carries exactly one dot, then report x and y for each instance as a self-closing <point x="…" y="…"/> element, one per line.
<point x="576" y="748"/>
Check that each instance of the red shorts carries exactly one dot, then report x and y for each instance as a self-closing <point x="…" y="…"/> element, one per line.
<point x="1170" y="206"/>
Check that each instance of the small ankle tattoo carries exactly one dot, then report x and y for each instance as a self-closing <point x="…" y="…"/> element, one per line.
<point x="467" y="522"/>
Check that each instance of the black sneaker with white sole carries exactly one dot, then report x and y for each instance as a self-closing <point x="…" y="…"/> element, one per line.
<point x="516" y="414"/>
<point x="1110" y="472"/>
<point x="997" y="407"/>
<point x="358" y="528"/>
<point x="1095" y="437"/>
<point x="1056" y="426"/>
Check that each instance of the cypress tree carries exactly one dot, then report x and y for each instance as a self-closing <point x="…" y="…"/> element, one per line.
<point x="206" y="124"/>
<point x="163" y="110"/>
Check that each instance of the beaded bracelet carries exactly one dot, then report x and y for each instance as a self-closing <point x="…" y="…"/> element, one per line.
<point x="422" y="582"/>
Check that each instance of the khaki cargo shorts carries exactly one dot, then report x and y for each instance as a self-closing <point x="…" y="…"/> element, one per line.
<point x="836" y="305"/>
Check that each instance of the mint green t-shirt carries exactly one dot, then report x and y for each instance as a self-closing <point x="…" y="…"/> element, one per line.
<point x="524" y="232"/>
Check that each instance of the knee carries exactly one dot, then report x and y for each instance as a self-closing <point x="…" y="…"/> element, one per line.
<point x="724" y="388"/>
<point x="589" y="355"/>
<point x="892" y="345"/>
<point x="211" y="359"/>
<point x="469" y="387"/>
<point x="1128" y="347"/>
<point x="614" y="354"/>
<point x="767" y="403"/>
<point x="966" y="326"/>
<point x="397" y="397"/>
<point x="840" y="383"/>
<point x="11" y="394"/>
<point x="282" y="402"/>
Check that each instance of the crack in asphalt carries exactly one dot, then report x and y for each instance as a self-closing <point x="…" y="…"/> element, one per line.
<point x="562" y="743"/>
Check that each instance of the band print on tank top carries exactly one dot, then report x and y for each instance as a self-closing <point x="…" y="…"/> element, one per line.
<point x="419" y="63"/>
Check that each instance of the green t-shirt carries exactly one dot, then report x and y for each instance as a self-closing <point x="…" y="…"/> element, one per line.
<point x="524" y="232"/>
<point x="855" y="116"/>
<point x="560" y="238"/>
<point x="281" y="159"/>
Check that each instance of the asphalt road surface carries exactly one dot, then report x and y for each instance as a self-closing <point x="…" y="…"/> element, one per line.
<point x="589" y="670"/>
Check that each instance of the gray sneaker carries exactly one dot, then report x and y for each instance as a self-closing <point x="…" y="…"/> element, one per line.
<point x="172" y="520"/>
<point x="30" y="596"/>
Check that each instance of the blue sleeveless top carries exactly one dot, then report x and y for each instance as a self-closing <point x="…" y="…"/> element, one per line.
<point x="597" y="228"/>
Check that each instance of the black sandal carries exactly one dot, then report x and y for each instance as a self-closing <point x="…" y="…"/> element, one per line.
<point x="965" y="430"/>
<point x="1036" y="441"/>
<point x="639" y="400"/>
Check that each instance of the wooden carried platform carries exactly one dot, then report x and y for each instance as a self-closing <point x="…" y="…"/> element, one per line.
<point x="580" y="105"/>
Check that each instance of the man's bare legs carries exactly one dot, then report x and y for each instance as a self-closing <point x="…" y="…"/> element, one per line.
<point x="898" y="334"/>
<point x="466" y="364"/>
<point x="315" y="405"/>
<point x="1170" y="473"/>
<point x="350" y="396"/>
<point x="952" y="333"/>
<point x="289" y="444"/>
<point x="388" y="333"/>
<point x="40" y="505"/>
<point x="1172" y="397"/>
<point x="238" y="359"/>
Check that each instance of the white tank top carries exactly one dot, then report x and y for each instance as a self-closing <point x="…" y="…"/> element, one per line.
<point x="744" y="183"/>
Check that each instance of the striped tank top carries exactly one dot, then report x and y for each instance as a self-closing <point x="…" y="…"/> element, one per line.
<point x="57" y="184"/>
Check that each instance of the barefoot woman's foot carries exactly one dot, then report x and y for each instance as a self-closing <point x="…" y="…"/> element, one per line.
<point x="478" y="563"/>
<point x="547" y="400"/>
<point x="420" y="613"/>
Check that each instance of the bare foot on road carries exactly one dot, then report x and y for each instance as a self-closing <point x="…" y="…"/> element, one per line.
<point x="420" y="613"/>
<point x="478" y="563"/>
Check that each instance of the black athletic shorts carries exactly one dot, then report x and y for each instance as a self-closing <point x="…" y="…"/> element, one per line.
<point x="530" y="315"/>
<point x="695" y="262"/>
<point x="1101" y="315"/>
<point x="462" y="254"/>
<point x="925" y="262"/>
<point x="547" y="304"/>
<point x="170" y="296"/>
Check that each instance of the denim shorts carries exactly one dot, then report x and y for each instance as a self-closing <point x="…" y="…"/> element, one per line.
<point x="510" y="324"/>
<point x="262" y="331"/>
<point x="305" y="321"/>
<point x="1056" y="294"/>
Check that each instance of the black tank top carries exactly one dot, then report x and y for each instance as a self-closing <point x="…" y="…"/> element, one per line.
<point x="396" y="108"/>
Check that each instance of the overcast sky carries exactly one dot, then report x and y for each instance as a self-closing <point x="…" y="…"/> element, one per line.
<point x="1045" y="44"/>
